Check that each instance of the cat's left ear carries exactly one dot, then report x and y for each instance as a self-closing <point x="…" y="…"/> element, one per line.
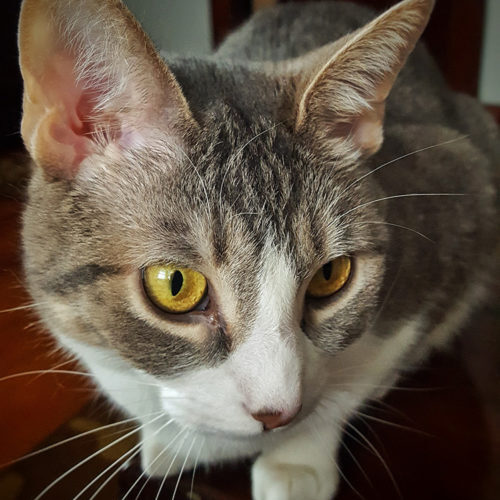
<point x="91" y="78"/>
<point x="343" y="86"/>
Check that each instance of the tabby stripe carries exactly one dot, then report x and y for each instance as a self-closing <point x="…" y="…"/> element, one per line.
<point x="78" y="277"/>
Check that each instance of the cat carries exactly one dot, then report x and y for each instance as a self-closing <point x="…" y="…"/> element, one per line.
<point x="245" y="248"/>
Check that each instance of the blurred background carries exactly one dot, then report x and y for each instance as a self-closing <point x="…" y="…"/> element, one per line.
<point x="450" y="409"/>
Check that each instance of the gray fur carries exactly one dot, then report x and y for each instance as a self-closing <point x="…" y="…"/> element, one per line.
<point x="250" y="179"/>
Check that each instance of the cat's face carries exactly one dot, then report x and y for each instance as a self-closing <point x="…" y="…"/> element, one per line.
<point x="258" y="221"/>
<point x="258" y="206"/>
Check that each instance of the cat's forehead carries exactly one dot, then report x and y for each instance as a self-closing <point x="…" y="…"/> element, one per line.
<point x="261" y="185"/>
<point x="237" y="192"/>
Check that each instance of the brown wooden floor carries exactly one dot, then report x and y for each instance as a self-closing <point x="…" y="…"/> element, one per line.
<point x="449" y="447"/>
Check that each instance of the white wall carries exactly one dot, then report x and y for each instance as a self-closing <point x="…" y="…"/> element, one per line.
<point x="179" y="26"/>
<point x="489" y="83"/>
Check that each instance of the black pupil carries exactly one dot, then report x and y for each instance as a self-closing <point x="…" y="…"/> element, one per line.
<point x="177" y="281"/>
<point x="327" y="271"/>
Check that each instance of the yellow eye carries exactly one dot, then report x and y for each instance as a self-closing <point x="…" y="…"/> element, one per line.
<point x="330" y="278"/>
<point x="174" y="289"/>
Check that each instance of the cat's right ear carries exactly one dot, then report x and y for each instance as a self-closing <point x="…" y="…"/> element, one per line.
<point x="342" y="87"/>
<point x="91" y="78"/>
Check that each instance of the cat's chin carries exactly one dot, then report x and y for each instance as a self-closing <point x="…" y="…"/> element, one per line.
<point x="228" y="434"/>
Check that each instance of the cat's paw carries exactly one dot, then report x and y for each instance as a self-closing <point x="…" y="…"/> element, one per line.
<point x="272" y="480"/>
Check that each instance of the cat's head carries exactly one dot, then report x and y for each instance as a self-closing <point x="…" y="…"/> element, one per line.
<point x="205" y="227"/>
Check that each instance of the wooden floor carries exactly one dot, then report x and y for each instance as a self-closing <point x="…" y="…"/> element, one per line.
<point x="438" y="435"/>
<point x="32" y="405"/>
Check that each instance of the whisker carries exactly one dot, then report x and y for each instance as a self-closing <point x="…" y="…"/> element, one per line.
<point x="386" y="298"/>
<point x="144" y="472"/>
<point x="127" y="455"/>
<point x="359" y="179"/>
<point x="342" y="385"/>
<point x="72" y="438"/>
<point x="392" y="424"/>
<point x="63" y="372"/>
<point x="402" y="227"/>
<point x="333" y="460"/>
<point x="388" y="408"/>
<point x="374" y="434"/>
<point x="184" y="430"/>
<point x="241" y="213"/>
<point x="356" y="461"/>
<point x="378" y="455"/>
<point x="38" y="323"/>
<point x="194" y="468"/>
<point x="23" y="308"/>
<point x="56" y="367"/>
<point x="90" y="457"/>
<point x="272" y="127"/>
<point x="45" y="372"/>
<point x="393" y="197"/>
<point x="182" y="468"/>
<point x="138" y="445"/>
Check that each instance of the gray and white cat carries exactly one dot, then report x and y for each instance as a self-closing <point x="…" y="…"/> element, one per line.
<point x="236" y="247"/>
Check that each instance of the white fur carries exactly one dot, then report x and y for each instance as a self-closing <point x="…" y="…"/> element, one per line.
<point x="274" y="368"/>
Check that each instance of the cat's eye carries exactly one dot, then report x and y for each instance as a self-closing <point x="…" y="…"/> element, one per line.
<point x="174" y="289"/>
<point x="330" y="278"/>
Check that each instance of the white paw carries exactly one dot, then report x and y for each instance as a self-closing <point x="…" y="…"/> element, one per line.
<point x="272" y="480"/>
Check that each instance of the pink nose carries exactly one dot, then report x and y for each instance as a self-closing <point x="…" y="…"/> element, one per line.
<point x="273" y="420"/>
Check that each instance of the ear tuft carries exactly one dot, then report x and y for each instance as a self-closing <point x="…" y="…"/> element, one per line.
<point x="343" y="95"/>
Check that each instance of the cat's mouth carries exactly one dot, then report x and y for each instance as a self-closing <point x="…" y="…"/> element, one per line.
<point x="229" y="433"/>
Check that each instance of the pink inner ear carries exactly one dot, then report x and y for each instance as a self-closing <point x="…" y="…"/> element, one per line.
<point x="368" y="134"/>
<point x="75" y="107"/>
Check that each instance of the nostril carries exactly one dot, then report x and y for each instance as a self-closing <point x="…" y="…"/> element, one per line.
<point x="273" y="420"/>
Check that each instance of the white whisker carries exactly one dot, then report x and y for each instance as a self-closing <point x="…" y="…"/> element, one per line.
<point x="392" y="424"/>
<point x="156" y="458"/>
<point x="136" y="447"/>
<point x="182" y="468"/>
<point x="127" y="455"/>
<point x="62" y="372"/>
<point x="22" y="308"/>
<point x="186" y="433"/>
<point x="393" y="197"/>
<point x="388" y="408"/>
<point x="45" y="372"/>
<point x="359" y="179"/>
<point x="378" y="455"/>
<point x="400" y="226"/>
<point x="194" y="468"/>
<point x="332" y="459"/>
<point x="90" y="457"/>
<point x="72" y="438"/>
<point x="356" y="461"/>
<point x="386" y="298"/>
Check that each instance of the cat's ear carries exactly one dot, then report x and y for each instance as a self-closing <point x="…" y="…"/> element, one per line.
<point x="343" y="86"/>
<point x="91" y="77"/>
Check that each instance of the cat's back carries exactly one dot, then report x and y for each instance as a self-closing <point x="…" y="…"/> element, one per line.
<point x="287" y="31"/>
<point x="291" y="30"/>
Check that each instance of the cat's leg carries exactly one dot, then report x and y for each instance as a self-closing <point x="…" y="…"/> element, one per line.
<point x="301" y="467"/>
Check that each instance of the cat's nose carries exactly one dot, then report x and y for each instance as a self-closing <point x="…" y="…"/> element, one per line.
<point x="275" y="419"/>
